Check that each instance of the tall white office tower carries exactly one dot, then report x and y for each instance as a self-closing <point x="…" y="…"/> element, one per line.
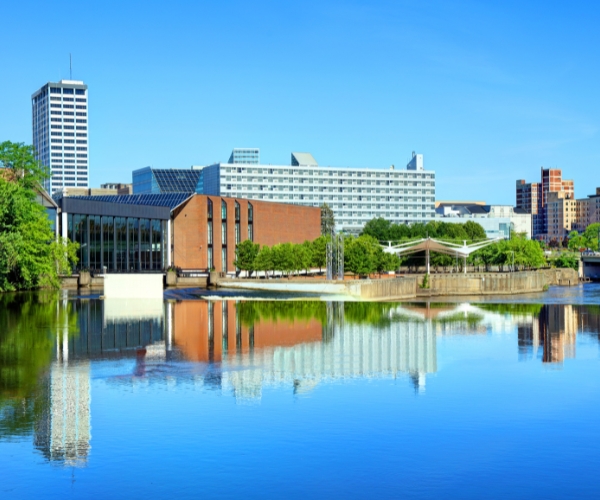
<point x="60" y="133"/>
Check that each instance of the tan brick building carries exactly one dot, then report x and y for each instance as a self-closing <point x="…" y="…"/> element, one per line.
<point x="206" y="229"/>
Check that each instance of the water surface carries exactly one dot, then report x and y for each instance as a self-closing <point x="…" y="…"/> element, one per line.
<point x="227" y="398"/>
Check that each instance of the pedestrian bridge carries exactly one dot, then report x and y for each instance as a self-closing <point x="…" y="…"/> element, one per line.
<point x="428" y="245"/>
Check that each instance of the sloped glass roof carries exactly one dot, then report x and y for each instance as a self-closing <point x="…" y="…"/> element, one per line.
<point x="170" y="200"/>
<point x="177" y="181"/>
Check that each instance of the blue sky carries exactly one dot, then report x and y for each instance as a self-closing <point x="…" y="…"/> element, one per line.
<point x="487" y="92"/>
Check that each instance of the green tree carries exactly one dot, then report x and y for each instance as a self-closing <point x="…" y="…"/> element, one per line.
<point x="283" y="258"/>
<point x="577" y="241"/>
<point x="360" y="255"/>
<point x="378" y="228"/>
<point x="245" y="256"/>
<point x="319" y="252"/>
<point x="30" y="254"/>
<point x="264" y="260"/>
<point x="327" y="220"/>
<point x="474" y="231"/>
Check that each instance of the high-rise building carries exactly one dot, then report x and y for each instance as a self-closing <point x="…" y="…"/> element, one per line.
<point x="533" y="197"/>
<point x="60" y="133"/>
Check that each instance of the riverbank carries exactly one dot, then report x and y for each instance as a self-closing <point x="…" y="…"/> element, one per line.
<point x="413" y="286"/>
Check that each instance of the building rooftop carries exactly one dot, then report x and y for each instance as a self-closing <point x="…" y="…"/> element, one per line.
<point x="303" y="159"/>
<point x="170" y="200"/>
<point x="176" y="180"/>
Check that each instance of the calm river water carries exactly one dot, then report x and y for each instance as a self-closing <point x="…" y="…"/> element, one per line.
<point x="300" y="399"/>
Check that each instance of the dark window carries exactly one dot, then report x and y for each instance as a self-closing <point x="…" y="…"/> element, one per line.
<point x="134" y="262"/>
<point x="121" y="243"/>
<point x="95" y="250"/>
<point x="145" y="244"/>
<point x="80" y="91"/>
<point x="210" y="209"/>
<point x="67" y="91"/>
<point x="237" y="211"/>
<point x="108" y="243"/>
<point x="223" y="210"/>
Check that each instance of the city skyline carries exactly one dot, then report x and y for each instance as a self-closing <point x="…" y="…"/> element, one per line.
<point x="482" y="91"/>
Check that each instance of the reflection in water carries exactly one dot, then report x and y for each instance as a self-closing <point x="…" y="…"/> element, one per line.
<point x="48" y="345"/>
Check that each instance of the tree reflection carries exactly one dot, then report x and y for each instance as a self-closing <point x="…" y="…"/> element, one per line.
<point x="28" y="330"/>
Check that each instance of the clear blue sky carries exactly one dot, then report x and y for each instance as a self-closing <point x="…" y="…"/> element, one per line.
<point x="488" y="93"/>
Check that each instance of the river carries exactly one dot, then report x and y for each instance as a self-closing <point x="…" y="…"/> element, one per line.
<point x="233" y="397"/>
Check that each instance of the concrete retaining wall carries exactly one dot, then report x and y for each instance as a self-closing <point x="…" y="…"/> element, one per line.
<point x="398" y="288"/>
<point x="407" y="287"/>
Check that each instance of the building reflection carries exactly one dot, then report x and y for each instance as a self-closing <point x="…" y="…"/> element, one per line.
<point x="255" y="347"/>
<point x="241" y="348"/>
<point x="551" y="333"/>
<point x="101" y="331"/>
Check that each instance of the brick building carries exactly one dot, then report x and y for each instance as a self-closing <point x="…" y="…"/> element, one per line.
<point x="149" y="232"/>
<point x="533" y="198"/>
<point x="206" y="229"/>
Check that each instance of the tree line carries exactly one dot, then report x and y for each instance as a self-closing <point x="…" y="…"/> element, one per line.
<point x="362" y="256"/>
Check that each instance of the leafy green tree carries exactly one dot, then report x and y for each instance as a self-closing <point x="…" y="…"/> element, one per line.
<point x="360" y="256"/>
<point x="378" y="228"/>
<point x="327" y="220"/>
<point x="30" y="254"/>
<point x="577" y="241"/>
<point x="264" y="260"/>
<point x="245" y="256"/>
<point x="319" y="252"/>
<point x="474" y="231"/>
<point x="566" y="261"/>
<point x="283" y="258"/>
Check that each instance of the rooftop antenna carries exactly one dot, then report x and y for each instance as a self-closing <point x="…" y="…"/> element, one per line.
<point x="70" y="67"/>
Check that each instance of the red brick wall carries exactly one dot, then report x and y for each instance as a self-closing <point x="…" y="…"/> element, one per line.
<point x="273" y="223"/>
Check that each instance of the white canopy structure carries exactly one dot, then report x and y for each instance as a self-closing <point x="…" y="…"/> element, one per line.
<point x="428" y="245"/>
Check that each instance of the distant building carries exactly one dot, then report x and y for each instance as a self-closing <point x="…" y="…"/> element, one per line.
<point x="356" y="195"/>
<point x="496" y="220"/>
<point x="249" y="156"/>
<point x="588" y="211"/>
<point x="533" y="197"/>
<point x="60" y="133"/>
<point x="119" y="187"/>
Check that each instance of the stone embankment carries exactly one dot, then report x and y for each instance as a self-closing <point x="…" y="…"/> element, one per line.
<point x="410" y="287"/>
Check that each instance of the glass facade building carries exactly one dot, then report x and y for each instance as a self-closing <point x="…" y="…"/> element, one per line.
<point x="119" y="236"/>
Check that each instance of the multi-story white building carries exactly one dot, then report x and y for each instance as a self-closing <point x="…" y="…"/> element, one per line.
<point x="356" y="195"/>
<point x="60" y="133"/>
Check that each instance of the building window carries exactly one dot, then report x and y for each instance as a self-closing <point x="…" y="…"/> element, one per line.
<point x="223" y="210"/>
<point x="209" y="209"/>
<point x="224" y="259"/>
<point x="224" y="233"/>
<point x="250" y="222"/>
<point x="237" y="211"/>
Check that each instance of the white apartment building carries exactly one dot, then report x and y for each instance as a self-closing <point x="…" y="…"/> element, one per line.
<point x="356" y="195"/>
<point x="60" y="133"/>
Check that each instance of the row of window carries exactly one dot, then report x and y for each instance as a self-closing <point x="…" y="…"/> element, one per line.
<point x="321" y="172"/>
<point x="57" y="90"/>
<point x="237" y="230"/>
